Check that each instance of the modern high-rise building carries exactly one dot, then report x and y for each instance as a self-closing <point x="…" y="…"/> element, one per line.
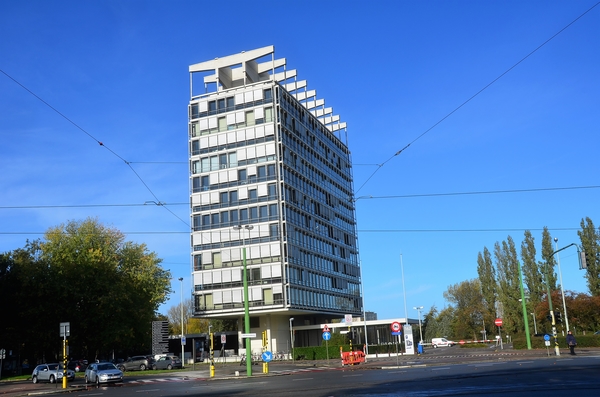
<point x="269" y="172"/>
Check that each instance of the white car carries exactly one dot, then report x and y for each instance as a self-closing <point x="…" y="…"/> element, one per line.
<point x="50" y="373"/>
<point x="439" y="342"/>
<point x="103" y="373"/>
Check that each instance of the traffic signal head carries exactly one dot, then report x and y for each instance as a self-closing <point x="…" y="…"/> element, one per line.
<point x="583" y="260"/>
<point x="557" y="317"/>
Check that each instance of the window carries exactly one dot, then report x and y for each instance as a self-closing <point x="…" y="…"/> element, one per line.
<point x="223" y="161"/>
<point x="233" y="216"/>
<point x="263" y="212"/>
<point x="225" y="217"/>
<point x="230" y="103"/>
<point x="214" y="219"/>
<point x="268" y="94"/>
<point x="242" y="175"/>
<point x="253" y="213"/>
<point x="197" y="262"/>
<point x="252" y="194"/>
<point x="271" y="169"/>
<point x="244" y="214"/>
<point x="195" y="147"/>
<point x="224" y="198"/>
<point x="274" y="230"/>
<point x="250" y="118"/>
<point x="221" y="104"/>
<point x="212" y="106"/>
<point x="216" y="257"/>
<point x="222" y="123"/>
<point x="233" y="196"/>
<point x="273" y="210"/>
<point x="268" y="114"/>
<point x="261" y="172"/>
<point x="197" y="222"/>
<point x="205" y="182"/>
<point x="206" y="221"/>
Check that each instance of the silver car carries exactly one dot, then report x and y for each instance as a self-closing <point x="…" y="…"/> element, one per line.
<point x="103" y="373"/>
<point x="50" y="373"/>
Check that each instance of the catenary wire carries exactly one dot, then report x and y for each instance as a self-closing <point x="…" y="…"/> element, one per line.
<point x="158" y="202"/>
<point x="358" y="198"/>
<point x="476" y="94"/>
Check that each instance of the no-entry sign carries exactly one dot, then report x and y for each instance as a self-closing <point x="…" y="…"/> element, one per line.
<point x="498" y="322"/>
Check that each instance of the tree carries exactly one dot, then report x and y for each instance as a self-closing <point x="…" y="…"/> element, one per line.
<point x="191" y="325"/>
<point x="507" y="269"/>
<point x="438" y="324"/>
<point x="549" y="262"/>
<point x="82" y="272"/>
<point x="469" y="308"/>
<point x="590" y="241"/>
<point x="487" y="278"/>
<point x="532" y="276"/>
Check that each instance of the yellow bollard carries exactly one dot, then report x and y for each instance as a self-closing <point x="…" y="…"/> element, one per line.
<point x="212" y="371"/>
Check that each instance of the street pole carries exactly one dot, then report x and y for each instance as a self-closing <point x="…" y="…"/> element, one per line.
<point x="549" y="293"/>
<point x="418" y="309"/>
<point x="404" y="289"/>
<point x="292" y="337"/>
<point x="524" y="307"/>
<point x="534" y="323"/>
<point x="562" y="291"/>
<point x="182" y="346"/>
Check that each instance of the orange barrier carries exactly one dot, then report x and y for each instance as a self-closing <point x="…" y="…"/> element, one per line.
<point x="351" y="358"/>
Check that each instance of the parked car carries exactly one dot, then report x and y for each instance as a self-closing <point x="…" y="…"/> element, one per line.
<point x="134" y="363"/>
<point x="103" y="373"/>
<point x="50" y="373"/>
<point x="167" y="362"/>
<point x="438" y="342"/>
<point x="77" y="365"/>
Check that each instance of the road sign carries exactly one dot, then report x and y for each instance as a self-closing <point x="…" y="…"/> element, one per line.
<point x="498" y="322"/>
<point x="326" y="335"/>
<point x="396" y="333"/>
<point x="396" y="326"/>
<point x="267" y="356"/>
<point x="546" y="337"/>
<point x="547" y="342"/>
<point x="223" y="338"/>
<point x="183" y="341"/>
<point x="252" y="335"/>
<point x="326" y="328"/>
<point x="65" y="329"/>
<point x="462" y="342"/>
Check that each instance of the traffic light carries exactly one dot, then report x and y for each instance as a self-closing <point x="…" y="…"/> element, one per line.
<point x="557" y="317"/>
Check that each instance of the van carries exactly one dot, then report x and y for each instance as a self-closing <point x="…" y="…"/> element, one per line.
<point x="438" y="342"/>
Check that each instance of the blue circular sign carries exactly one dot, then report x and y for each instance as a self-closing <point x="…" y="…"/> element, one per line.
<point x="267" y="356"/>
<point x="546" y="337"/>
<point x="326" y="335"/>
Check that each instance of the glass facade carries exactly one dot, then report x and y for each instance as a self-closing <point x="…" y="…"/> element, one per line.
<point x="260" y="156"/>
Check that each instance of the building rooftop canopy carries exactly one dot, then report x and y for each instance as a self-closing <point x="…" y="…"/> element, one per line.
<point x="250" y="67"/>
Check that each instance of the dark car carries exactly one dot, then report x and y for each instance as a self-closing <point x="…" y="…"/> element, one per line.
<point x="167" y="362"/>
<point x="135" y="363"/>
<point x="103" y="373"/>
<point x="77" y="365"/>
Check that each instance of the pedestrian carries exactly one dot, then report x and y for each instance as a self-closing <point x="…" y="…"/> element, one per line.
<point x="571" y="342"/>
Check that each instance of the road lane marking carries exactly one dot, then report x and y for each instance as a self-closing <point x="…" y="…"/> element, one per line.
<point x="303" y="379"/>
<point x="440" y="369"/>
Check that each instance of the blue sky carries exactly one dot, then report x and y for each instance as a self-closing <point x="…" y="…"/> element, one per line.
<point x="390" y="69"/>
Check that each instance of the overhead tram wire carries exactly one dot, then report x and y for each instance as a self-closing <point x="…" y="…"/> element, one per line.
<point x="548" y="189"/>
<point x="477" y="93"/>
<point x="157" y="202"/>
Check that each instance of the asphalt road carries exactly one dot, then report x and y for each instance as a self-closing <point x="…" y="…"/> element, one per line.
<point x="444" y="372"/>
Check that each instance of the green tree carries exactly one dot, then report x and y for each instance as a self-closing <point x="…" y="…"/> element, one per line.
<point x="590" y="241"/>
<point x="532" y="275"/>
<point x="469" y="308"/>
<point x="487" y="278"/>
<point x="549" y="261"/>
<point x="191" y="325"/>
<point x="82" y="272"/>
<point x="509" y="284"/>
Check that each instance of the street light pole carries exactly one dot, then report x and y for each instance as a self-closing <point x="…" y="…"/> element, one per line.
<point x="562" y="291"/>
<point x="292" y="337"/>
<point x="534" y="323"/>
<point x="418" y="309"/>
<point x="182" y="351"/>
<point x="246" y="303"/>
